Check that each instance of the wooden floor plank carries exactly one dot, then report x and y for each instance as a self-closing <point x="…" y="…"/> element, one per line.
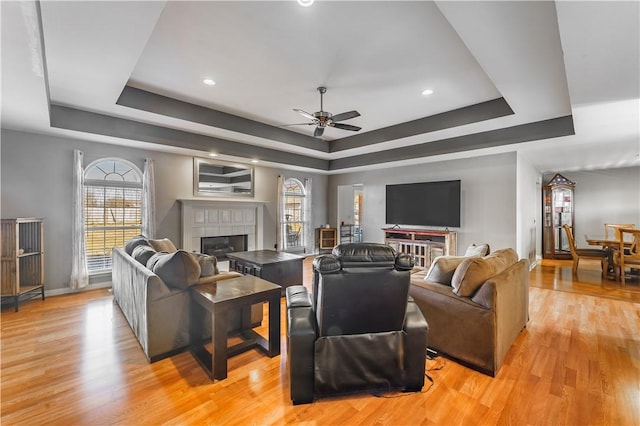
<point x="73" y="360"/>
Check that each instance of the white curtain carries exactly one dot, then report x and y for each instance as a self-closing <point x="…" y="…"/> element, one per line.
<point x="308" y="228"/>
<point x="148" y="200"/>
<point x="280" y="214"/>
<point x="79" y="269"/>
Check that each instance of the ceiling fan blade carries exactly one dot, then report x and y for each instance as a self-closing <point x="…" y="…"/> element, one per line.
<point x="305" y="114"/>
<point x="318" y="132"/>
<point x="298" y="124"/>
<point x="345" y="127"/>
<point x="345" y="116"/>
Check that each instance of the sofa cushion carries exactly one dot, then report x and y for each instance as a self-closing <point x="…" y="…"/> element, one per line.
<point x="134" y="242"/>
<point x="474" y="271"/>
<point x="142" y="253"/>
<point x="442" y="269"/>
<point x="177" y="270"/>
<point x="164" y="244"/>
<point x="477" y="250"/>
<point x="208" y="264"/>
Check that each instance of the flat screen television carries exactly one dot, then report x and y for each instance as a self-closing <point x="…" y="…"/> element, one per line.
<point x="424" y="203"/>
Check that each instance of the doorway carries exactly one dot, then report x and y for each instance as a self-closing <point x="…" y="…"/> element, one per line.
<point x="350" y="213"/>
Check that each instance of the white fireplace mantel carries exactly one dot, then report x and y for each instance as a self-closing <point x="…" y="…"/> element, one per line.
<point x="214" y="218"/>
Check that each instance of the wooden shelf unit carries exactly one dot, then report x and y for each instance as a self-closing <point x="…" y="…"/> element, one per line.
<point x="423" y="244"/>
<point x="22" y="257"/>
<point x="347" y="234"/>
<point x="326" y="239"/>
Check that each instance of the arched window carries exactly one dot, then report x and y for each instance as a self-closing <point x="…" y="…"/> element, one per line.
<point x="112" y="208"/>
<point x="293" y="227"/>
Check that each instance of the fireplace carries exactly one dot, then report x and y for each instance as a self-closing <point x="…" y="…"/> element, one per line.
<point x="220" y="246"/>
<point x="208" y="218"/>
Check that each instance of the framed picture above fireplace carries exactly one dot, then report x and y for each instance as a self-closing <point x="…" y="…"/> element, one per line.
<point x="222" y="179"/>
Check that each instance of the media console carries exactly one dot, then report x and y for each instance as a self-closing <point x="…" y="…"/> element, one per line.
<point x="423" y="244"/>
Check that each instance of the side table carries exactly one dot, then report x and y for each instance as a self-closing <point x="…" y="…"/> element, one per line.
<point x="217" y="300"/>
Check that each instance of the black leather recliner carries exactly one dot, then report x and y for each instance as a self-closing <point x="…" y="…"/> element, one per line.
<point x="359" y="330"/>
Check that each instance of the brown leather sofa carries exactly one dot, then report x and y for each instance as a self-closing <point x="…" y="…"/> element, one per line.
<point x="475" y="306"/>
<point x="359" y="332"/>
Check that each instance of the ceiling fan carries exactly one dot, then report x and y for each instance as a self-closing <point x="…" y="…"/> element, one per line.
<point x="323" y="119"/>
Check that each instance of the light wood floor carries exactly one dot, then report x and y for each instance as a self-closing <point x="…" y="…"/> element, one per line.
<point x="73" y="360"/>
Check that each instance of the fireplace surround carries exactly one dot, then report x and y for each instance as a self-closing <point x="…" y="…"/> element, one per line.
<point x="221" y="218"/>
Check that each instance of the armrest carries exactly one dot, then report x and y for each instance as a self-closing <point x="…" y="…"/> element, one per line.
<point x="507" y="290"/>
<point x="301" y="338"/>
<point x="297" y="296"/>
<point x="507" y="295"/>
<point x="416" y="343"/>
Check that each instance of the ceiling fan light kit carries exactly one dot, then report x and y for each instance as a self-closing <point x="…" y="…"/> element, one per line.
<point x="322" y="119"/>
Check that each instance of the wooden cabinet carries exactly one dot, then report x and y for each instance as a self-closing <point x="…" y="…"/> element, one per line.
<point x="423" y="244"/>
<point x="557" y="210"/>
<point x="22" y="257"/>
<point x="326" y="239"/>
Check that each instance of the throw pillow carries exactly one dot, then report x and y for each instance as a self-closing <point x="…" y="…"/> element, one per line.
<point x="164" y="244"/>
<point x="474" y="271"/>
<point x="442" y="269"/>
<point x="134" y="242"/>
<point x="177" y="270"/>
<point x="475" y="250"/>
<point x="142" y="253"/>
<point x="208" y="264"/>
<point x="509" y="256"/>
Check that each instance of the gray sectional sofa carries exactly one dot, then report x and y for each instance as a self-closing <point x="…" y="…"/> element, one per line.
<point x="475" y="306"/>
<point x="151" y="280"/>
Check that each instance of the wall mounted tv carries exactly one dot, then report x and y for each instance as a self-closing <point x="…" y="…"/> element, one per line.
<point x="424" y="203"/>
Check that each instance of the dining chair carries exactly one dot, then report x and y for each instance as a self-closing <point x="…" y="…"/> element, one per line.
<point x="627" y="257"/>
<point x="582" y="253"/>
<point x="611" y="227"/>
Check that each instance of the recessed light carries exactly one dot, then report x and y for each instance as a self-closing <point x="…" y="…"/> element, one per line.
<point x="208" y="82"/>
<point x="305" y="3"/>
<point x="427" y="92"/>
<point x="213" y="154"/>
<point x="255" y="161"/>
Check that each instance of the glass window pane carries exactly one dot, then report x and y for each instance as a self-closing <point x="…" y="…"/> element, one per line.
<point x="294" y="220"/>
<point x="113" y="215"/>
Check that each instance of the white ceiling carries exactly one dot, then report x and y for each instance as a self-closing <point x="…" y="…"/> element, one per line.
<point x="548" y="60"/>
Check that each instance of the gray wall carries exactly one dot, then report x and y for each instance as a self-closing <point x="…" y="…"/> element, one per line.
<point x="500" y="194"/>
<point x="501" y="199"/>
<point x="37" y="178"/>
<point x="603" y="196"/>
<point x="488" y="197"/>
<point x="528" y="211"/>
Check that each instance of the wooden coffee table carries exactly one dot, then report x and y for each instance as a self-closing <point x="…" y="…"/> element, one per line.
<point x="218" y="300"/>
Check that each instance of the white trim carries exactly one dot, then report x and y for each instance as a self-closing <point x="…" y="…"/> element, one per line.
<point x="67" y="290"/>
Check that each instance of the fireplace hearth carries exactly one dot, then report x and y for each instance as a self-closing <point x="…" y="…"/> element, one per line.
<point x="220" y="246"/>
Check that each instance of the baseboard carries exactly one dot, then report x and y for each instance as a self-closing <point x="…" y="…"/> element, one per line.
<point x="62" y="291"/>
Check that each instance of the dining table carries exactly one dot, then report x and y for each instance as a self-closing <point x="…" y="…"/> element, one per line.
<point x="603" y="241"/>
<point x="608" y="245"/>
